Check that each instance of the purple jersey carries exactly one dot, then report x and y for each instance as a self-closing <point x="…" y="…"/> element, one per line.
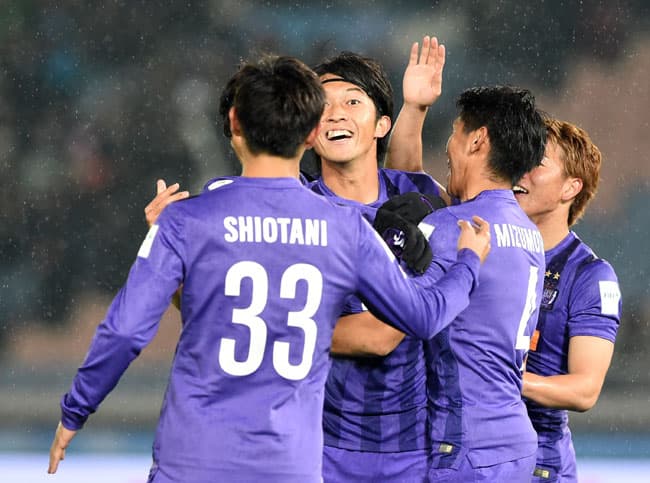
<point x="266" y="266"/>
<point x="581" y="298"/>
<point x="475" y="378"/>
<point x="378" y="404"/>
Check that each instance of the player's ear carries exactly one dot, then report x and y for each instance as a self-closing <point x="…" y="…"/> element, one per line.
<point x="571" y="188"/>
<point x="477" y="138"/>
<point x="311" y="137"/>
<point x="382" y="127"/>
<point x="235" y="127"/>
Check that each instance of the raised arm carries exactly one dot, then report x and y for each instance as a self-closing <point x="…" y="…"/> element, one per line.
<point x="422" y="86"/>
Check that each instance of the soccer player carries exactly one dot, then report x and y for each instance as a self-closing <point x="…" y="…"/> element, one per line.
<point x="572" y="347"/>
<point x="479" y="424"/>
<point x="374" y="417"/>
<point x="265" y="266"/>
<point x="375" y="408"/>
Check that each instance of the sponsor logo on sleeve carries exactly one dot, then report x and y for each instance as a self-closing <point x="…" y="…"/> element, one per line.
<point x="610" y="295"/>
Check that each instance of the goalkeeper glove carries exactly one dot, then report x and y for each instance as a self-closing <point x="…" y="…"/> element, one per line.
<point x="413" y="206"/>
<point x="405" y="240"/>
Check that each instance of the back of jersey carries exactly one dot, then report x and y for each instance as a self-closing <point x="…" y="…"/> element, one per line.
<point x="475" y="364"/>
<point x="267" y="265"/>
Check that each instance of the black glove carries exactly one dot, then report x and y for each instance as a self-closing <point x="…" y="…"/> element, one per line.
<point x="405" y="240"/>
<point x="414" y="206"/>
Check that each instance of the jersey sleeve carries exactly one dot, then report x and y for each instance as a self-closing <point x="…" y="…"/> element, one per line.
<point x="595" y="302"/>
<point x="130" y="323"/>
<point x="419" y="306"/>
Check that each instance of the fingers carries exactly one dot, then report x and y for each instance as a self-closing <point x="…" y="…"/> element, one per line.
<point x="426" y="47"/>
<point x="56" y="455"/>
<point x="62" y="438"/>
<point x="432" y="54"/>
<point x="442" y="54"/>
<point x="465" y="225"/>
<point x="160" y="186"/>
<point x="482" y="225"/>
<point x="413" y="57"/>
<point x="165" y="196"/>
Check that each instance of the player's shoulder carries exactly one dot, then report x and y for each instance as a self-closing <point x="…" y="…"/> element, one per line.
<point x="588" y="266"/>
<point x="410" y="180"/>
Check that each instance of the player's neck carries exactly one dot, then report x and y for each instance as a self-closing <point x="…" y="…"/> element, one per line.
<point x="554" y="228"/>
<point x="475" y="184"/>
<point x="267" y="166"/>
<point x="352" y="181"/>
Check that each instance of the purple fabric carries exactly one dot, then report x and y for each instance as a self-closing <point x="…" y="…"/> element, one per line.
<point x="266" y="267"/>
<point x="463" y="471"/>
<point x="474" y="380"/>
<point x="378" y="404"/>
<point x="345" y="466"/>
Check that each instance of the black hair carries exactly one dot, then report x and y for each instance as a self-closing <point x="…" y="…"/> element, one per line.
<point x="278" y="100"/>
<point x="368" y="74"/>
<point x="515" y="126"/>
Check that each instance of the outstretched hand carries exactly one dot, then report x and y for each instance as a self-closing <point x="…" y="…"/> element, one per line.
<point x="422" y="83"/>
<point x="475" y="236"/>
<point x="164" y="196"/>
<point x="62" y="439"/>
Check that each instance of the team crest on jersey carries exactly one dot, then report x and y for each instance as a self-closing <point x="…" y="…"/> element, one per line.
<point x="219" y="183"/>
<point x="396" y="240"/>
<point x="548" y="297"/>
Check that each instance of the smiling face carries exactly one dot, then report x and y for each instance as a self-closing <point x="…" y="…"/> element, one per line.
<point x="547" y="192"/>
<point x="349" y="127"/>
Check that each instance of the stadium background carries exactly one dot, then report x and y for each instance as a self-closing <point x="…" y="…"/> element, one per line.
<point x="99" y="99"/>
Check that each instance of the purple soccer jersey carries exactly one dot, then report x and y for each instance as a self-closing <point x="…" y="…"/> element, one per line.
<point x="378" y="404"/>
<point x="581" y="298"/>
<point x="265" y="266"/>
<point x="474" y="379"/>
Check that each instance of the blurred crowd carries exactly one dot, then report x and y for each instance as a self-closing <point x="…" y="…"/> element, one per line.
<point x="99" y="99"/>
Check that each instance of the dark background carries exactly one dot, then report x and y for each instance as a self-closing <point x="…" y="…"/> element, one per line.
<point x="99" y="99"/>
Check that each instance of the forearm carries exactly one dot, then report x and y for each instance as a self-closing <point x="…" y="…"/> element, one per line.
<point x="362" y="335"/>
<point x="566" y="391"/>
<point x="405" y="146"/>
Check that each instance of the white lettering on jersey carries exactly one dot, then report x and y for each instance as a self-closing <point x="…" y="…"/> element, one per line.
<point x="508" y="236"/>
<point x="145" y="248"/>
<point x="287" y="231"/>
<point x="610" y="295"/>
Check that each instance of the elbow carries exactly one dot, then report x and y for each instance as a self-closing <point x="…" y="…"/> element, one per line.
<point x="585" y="404"/>
<point x="383" y="348"/>
<point x="385" y="342"/>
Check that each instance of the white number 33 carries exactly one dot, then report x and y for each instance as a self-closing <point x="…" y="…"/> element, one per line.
<point x="249" y="317"/>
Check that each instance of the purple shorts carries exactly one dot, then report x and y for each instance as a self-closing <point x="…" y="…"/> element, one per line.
<point x="344" y="466"/>
<point x="556" y="460"/>
<point x="462" y="471"/>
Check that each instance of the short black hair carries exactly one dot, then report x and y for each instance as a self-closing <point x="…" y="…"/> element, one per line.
<point x="368" y="74"/>
<point x="278" y="100"/>
<point x="515" y="127"/>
